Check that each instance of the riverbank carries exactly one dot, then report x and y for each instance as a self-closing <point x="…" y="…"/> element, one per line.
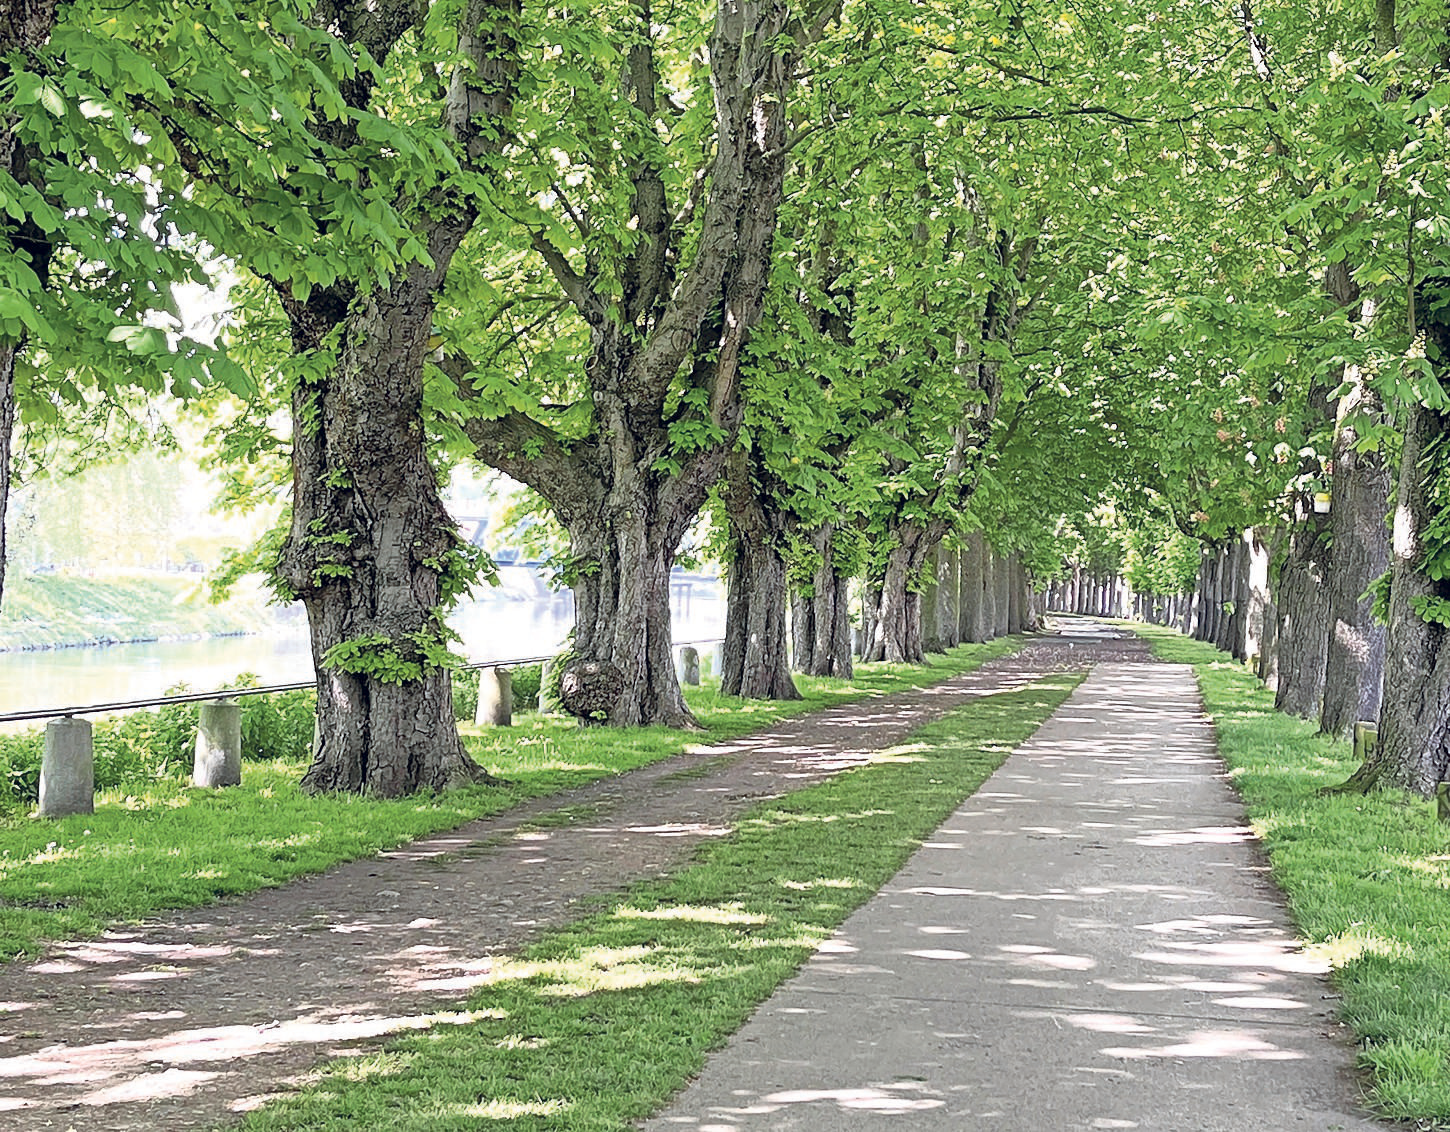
<point x="58" y="611"/>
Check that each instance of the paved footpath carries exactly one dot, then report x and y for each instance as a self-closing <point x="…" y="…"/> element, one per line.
<point x="185" y="1020"/>
<point x="1091" y="942"/>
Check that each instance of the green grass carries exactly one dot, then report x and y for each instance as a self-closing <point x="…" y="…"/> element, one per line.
<point x="161" y="844"/>
<point x="1367" y="879"/>
<point x="599" y="1023"/>
<point x="52" y="610"/>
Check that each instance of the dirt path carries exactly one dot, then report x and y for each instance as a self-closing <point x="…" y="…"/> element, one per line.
<point x="183" y="1020"/>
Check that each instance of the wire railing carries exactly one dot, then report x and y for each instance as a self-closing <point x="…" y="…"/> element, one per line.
<point x="33" y="715"/>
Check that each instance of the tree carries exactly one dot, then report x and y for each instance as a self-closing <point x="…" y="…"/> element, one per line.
<point x="657" y="228"/>
<point x="1413" y="751"/>
<point x="93" y="244"/>
<point x="342" y="156"/>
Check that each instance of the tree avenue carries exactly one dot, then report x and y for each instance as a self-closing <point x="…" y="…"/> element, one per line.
<point x="937" y="306"/>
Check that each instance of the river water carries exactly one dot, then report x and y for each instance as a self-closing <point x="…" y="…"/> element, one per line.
<point x="522" y="618"/>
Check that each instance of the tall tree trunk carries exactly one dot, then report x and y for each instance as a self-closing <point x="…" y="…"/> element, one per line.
<point x="870" y="603"/>
<point x="1235" y="585"/>
<point x="1301" y="596"/>
<point x="971" y="612"/>
<point x="1414" y="722"/>
<point x="622" y="608"/>
<point x="1016" y="595"/>
<point x="1303" y="618"/>
<point x="988" y="602"/>
<point x="1201" y="601"/>
<point x="896" y="625"/>
<point x="948" y="591"/>
<point x="1002" y="593"/>
<point x="931" y="635"/>
<point x="823" y="634"/>
<point x="756" y="664"/>
<point x="1354" y="666"/>
<point x="1258" y="596"/>
<point x="677" y="309"/>
<point x="369" y="555"/>
<point x="372" y="553"/>
<point x="1227" y="578"/>
<point x="1215" y="595"/>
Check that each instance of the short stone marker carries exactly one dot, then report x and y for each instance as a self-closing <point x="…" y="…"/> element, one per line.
<point x="495" y="698"/>
<point x="218" y="757"/>
<point x="689" y="666"/>
<point x="1366" y="740"/>
<point x="67" y="769"/>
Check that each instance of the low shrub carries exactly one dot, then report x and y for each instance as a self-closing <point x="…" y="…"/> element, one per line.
<point x="527" y="678"/>
<point x="277" y="726"/>
<point x="465" y="694"/>
<point x="20" y="767"/>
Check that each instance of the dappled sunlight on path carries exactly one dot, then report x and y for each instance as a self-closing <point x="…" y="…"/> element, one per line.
<point x="174" y="1024"/>
<point x="1091" y="941"/>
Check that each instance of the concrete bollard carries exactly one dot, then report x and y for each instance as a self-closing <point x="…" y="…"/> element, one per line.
<point x="218" y="757"/>
<point x="1366" y="740"/>
<point x="495" y="698"/>
<point x="688" y="666"/>
<point x="716" y="660"/>
<point x="67" y="769"/>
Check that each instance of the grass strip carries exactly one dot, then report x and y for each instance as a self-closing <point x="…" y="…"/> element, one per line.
<point x="161" y="844"/>
<point x="54" y="611"/>
<point x="1366" y="878"/>
<point x="600" y="1023"/>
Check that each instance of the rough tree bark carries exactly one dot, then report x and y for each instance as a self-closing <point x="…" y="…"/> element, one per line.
<point x="1303" y="617"/>
<point x="1414" y="722"/>
<point x="1016" y="596"/>
<point x="756" y="664"/>
<point x="371" y="549"/>
<point x="969" y="590"/>
<point x="1361" y="487"/>
<point x="822" y="624"/>
<point x="949" y="565"/>
<point x="1234" y="625"/>
<point x="1413" y="751"/>
<point x="930" y="587"/>
<point x="897" y="620"/>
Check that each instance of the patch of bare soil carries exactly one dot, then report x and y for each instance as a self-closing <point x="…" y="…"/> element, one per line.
<point x="182" y="1021"/>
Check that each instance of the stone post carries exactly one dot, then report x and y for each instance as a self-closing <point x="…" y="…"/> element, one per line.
<point x="67" y="769"/>
<point x="688" y="666"/>
<point x="546" y="705"/>
<point x="217" y="760"/>
<point x="495" y="698"/>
